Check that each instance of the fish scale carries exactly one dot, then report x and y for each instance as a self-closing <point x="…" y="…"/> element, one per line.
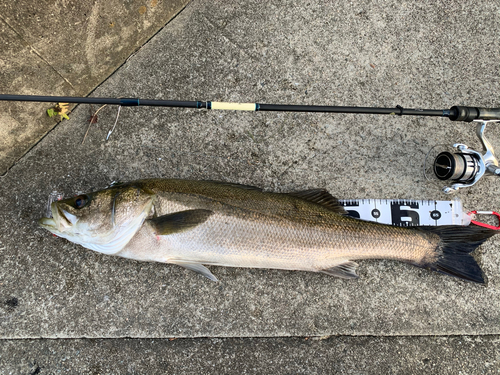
<point x="260" y="240"/>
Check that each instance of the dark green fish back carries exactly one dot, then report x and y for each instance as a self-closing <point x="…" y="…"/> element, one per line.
<point x="312" y="206"/>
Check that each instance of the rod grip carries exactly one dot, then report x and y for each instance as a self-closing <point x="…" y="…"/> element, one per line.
<point x="489" y="113"/>
<point x="468" y="114"/>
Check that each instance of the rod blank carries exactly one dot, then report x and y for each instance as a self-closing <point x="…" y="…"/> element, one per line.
<point x="456" y="113"/>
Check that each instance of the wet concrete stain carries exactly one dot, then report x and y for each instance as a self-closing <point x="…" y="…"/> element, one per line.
<point x="12" y="303"/>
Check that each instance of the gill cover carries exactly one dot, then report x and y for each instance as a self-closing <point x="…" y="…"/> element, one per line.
<point x="103" y="221"/>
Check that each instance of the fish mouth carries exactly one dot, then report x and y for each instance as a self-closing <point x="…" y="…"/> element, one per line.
<point x="48" y="223"/>
<point x="60" y="221"/>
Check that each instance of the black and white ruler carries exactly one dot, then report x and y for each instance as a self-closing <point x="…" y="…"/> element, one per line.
<point x="407" y="213"/>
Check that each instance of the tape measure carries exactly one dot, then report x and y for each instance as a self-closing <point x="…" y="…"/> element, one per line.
<point x="407" y="213"/>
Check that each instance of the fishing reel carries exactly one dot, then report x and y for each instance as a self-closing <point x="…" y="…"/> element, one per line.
<point x="459" y="165"/>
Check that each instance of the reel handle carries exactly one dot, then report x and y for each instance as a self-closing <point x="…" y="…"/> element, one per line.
<point x="469" y="114"/>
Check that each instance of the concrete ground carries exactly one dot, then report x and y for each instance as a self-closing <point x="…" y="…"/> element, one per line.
<point x="67" y="309"/>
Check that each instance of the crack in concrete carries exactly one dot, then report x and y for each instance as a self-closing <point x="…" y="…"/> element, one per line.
<point x="37" y="53"/>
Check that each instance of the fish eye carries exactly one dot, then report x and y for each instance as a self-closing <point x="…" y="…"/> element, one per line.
<point x="81" y="201"/>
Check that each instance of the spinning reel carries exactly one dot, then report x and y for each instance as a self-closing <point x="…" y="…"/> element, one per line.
<point x="461" y="166"/>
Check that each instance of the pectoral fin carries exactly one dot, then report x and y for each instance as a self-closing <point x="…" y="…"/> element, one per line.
<point x="197" y="267"/>
<point x="345" y="270"/>
<point x="179" y="221"/>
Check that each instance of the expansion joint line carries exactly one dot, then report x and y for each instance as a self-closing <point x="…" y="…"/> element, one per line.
<point x="33" y="49"/>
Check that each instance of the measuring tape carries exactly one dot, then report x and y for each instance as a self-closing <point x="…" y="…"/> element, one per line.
<point x="407" y="213"/>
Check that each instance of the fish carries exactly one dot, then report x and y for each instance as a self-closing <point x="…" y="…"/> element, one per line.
<point x="194" y="223"/>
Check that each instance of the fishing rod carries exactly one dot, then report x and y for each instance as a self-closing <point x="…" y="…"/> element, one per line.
<point x="458" y="165"/>
<point x="455" y="113"/>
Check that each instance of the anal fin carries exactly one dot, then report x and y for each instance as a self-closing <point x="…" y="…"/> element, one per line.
<point x="345" y="270"/>
<point x="199" y="268"/>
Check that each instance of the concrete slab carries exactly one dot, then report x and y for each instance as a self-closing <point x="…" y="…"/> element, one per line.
<point x="335" y="355"/>
<point x="23" y="71"/>
<point x="61" y="48"/>
<point x="424" y="55"/>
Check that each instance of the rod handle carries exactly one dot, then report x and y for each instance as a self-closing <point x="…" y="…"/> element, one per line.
<point x="468" y="114"/>
<point x="489" y="113"/>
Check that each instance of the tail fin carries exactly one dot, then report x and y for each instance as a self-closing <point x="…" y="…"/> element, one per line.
<point x="456" y="244"/>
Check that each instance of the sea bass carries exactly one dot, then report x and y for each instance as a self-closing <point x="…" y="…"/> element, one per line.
<point x="197" y="223"/>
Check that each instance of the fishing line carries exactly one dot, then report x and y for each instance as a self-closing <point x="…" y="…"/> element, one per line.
<point x="116" y="120"/>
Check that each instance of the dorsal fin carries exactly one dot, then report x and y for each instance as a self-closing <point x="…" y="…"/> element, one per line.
<point x="321" y="197"/>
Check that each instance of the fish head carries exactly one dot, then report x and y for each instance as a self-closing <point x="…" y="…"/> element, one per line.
<point x="104" y="221"/>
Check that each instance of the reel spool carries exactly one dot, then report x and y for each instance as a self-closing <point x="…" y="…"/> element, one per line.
<point x="459" y="165"/>
<point x="456" y="166"/>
